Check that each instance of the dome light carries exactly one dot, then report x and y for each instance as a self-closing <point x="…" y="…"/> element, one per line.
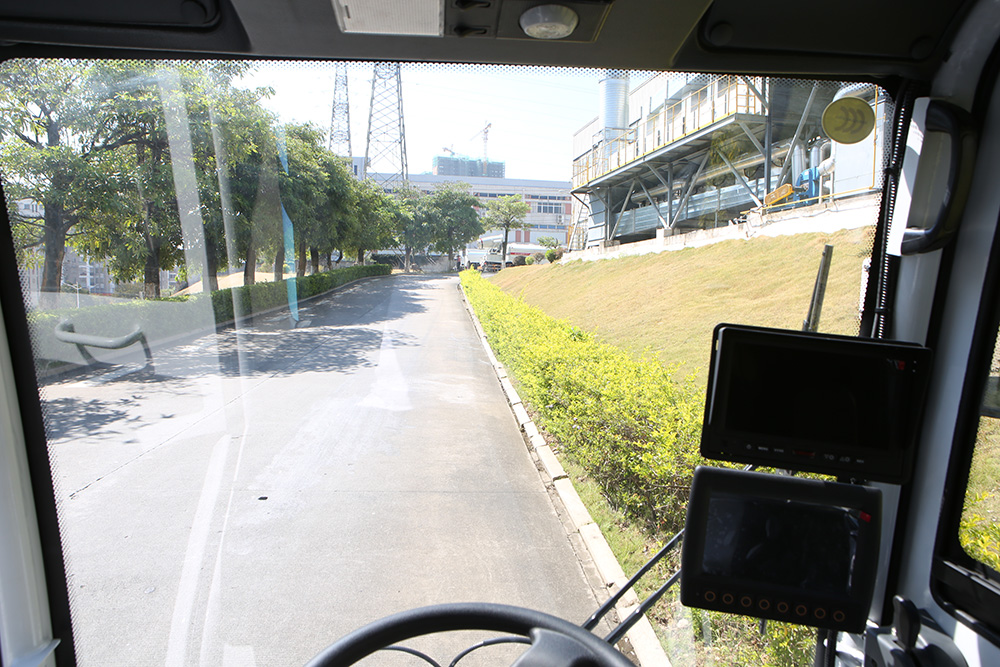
<point x="549" y="22"/>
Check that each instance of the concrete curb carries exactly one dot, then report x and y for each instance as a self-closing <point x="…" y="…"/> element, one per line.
<point x="643" y="639"/>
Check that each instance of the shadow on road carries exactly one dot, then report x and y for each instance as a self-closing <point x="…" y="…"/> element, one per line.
<point x="68" y="418"/>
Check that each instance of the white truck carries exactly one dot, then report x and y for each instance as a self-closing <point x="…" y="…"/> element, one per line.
<point x="494" y="257"/>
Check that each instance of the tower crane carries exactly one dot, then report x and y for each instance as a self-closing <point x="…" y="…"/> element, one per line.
<point x="485" y="132"/>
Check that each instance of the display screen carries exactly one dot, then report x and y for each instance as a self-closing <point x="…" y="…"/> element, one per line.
<point x="781" y="543"/>
<point x="786" y="548"/>
<point x="830" y="397"/>
<point x="829" y="404"/>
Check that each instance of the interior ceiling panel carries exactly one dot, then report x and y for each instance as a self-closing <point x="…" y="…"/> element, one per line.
<point x="886" y="38"/>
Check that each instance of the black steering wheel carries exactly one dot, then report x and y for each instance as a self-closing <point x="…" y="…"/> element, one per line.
<point x="554" y="642"/>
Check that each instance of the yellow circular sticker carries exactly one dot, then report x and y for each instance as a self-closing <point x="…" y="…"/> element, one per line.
<point x="848" y="120"/>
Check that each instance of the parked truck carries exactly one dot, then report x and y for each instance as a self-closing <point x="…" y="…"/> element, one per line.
<point x="494" y="257"/>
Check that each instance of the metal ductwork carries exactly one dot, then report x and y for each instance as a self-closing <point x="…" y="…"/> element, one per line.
<point x="614" y="99"/>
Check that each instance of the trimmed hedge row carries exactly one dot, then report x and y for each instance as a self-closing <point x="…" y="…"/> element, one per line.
<point x="163" y="318"/>
<point x="249" y="299"/>
<point x="628" y="422"/>
<point x="635" y="430"/>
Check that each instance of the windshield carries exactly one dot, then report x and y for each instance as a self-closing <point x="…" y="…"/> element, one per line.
<point x="259" y="294"/>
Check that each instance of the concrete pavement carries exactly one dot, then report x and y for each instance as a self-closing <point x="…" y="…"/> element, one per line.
<point x="268" y="489"/>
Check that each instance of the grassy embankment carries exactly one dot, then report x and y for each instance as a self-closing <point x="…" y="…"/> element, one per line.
<point x="669" y="303"/>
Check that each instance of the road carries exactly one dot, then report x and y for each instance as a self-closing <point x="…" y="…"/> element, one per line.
<point x="267" y="489"/>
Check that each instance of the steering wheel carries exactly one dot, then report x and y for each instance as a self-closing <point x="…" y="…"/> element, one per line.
<point x="554" y="641"/>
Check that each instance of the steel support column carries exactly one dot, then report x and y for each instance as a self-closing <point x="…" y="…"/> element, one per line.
<point x="690" y="189"/>
<point x="739" y="179"/>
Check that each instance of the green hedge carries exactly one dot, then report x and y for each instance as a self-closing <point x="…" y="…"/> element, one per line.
<point x="164" y="318"/>
<point x="628" y="422"/>
<point x="635" y="430"/>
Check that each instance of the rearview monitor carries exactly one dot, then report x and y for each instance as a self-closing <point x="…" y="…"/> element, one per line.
<point x="790" y="549"/>
<point x="835" y="405"/>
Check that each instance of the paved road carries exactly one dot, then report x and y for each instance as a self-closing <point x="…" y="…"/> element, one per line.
<point x="267" y="490"/>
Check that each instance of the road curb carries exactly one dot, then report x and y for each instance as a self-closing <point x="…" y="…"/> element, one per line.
<point x="643" y="639"/>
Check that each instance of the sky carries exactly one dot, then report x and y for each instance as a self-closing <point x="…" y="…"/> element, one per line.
<point x="533" y="112"/>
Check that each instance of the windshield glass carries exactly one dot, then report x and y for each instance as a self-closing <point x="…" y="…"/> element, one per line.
<point x="258" y="293"/>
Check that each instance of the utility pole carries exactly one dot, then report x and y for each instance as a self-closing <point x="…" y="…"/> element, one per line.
<point x="385" y="149"/>
<point x="340" y="116"/>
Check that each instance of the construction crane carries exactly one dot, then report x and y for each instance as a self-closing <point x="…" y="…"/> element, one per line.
<point x="485" y="132"/>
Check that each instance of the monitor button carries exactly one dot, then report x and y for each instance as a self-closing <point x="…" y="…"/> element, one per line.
<point x="727" y="598"/>
<point x="783" y="607"/>
<point x="800" y="610"/>
<point x="746" y="601"/>
<point x="709" y="596"/>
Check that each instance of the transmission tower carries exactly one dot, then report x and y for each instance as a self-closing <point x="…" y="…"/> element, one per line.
<point x="385" y="150"/>
<point x="340" y="117"/>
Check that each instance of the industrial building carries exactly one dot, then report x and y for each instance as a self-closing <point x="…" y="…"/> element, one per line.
<point x="680" y="152"/>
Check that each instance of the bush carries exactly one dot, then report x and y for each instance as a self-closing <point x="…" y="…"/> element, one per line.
<point x="520" y="260"/>
<point x="529" y="260"/>
<point x="538" y="257"/>
<point x="554" y="254"/>
<point x="628" y="422"/>
<point x="978" y="534"/>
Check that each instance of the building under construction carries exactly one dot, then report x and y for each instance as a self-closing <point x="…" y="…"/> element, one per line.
<point x="466" y="167"/>
<point x="680" y="152"/>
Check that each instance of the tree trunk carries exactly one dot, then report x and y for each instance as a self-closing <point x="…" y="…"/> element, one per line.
<point x="406" y="259"/>
<point x="279" y="264"/>
<point x="250" y="264"/>
<point x="151" y="274"/>
<point x="329" y="261"/>
<point x="210" y="281"/>
<point x="300" y="268"/>
<point x="314" y="257"/>
<point x="361" y="256"/>
<point x="503" y="254"/>
<point x="54" y="239"/>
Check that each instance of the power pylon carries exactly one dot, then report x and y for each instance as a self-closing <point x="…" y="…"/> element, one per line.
<point x="385" y="149"/>
<point x="340" y="117"/>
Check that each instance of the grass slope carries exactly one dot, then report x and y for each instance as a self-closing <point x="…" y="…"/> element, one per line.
<point x="668" y="303"/>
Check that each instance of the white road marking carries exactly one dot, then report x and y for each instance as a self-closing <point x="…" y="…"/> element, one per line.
<point x="180" y="624"/>
<point x="390" y="391"/>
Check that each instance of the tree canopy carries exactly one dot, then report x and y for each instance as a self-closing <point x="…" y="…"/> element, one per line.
<point x="506" y="213"/>
<point x="120" y="153"/>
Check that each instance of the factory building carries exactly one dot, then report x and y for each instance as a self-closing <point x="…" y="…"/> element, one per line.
<point x="681" y="152"/>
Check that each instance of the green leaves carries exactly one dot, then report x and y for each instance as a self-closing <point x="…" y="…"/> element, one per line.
<point x="628" y="422"/>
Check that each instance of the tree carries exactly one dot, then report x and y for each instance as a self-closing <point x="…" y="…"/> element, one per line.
<point x="57" y="125"/>
<point x="302" y="186"/>
<point x="457" y="221"/>
<point x="414" y="223"/>
<point x="371" y="225"/>
<point x="506" y="213"/>
<point x="337" y="207"/>
<point x="247" y="163"/>
<point x="547" y="241"/>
